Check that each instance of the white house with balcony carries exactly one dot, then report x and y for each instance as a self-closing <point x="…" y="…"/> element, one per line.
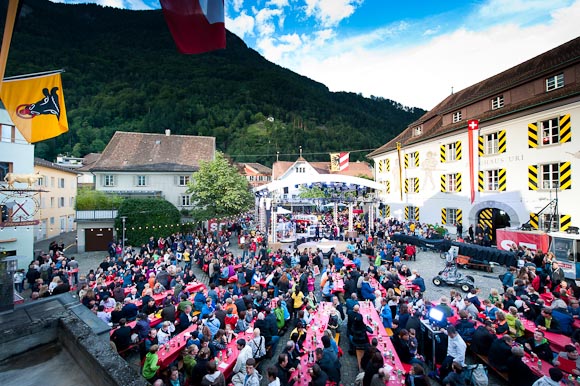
<point x="148" y="165"/>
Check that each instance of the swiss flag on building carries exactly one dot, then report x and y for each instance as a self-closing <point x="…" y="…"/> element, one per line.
<point x="473" y="124"/>
<point x="197" y="26"/>
<point x="343" y="161"/>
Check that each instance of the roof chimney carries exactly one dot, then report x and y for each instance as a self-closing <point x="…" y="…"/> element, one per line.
<point x="167" y="132"/>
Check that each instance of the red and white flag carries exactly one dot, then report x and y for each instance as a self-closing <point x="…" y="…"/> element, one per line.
<point x="343" y="161"/>
<point x="197" y="26"/>
<point x="472" y="128"/>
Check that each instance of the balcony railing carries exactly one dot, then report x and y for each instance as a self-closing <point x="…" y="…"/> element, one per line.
<point x="91" y="215"/>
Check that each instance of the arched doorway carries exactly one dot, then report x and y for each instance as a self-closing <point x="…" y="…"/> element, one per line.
<point x="492" y="219"/>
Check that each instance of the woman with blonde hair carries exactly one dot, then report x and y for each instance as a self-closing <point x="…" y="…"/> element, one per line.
<point x="151" y="365"/>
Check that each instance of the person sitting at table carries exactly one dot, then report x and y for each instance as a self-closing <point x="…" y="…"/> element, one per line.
<point x="239" y="371"/>
<point x="501" y="325"/>
<point x="351" y="302"/>
<point x="419" y="281"/>
<point x="570" y="354"/>
<point x="130" y="310"/>
<point x="218" y="342"/>
<point x="417" y="377"/>
<point x="200" y="369"/>
<point x="168" y="312"/>
<point x="165" y="333"/>
<point x="272" y="374"/>
<point x="213" y="324"/>
<point x="565" y="320"/>
<point x="464" y="326"/>
<point x="150" y="366"/>
<point x="546" y="322"/>
<point x="357" y="330"/>
<point x="242" y="325"/>
<point x="333" y="320"/>
<point x="293" y="354"/>
<point x="185" y="319"/>
<point x="370" y="351"/>
<point x="142" y="326"/>
<point x="184" y="301"/>
<point x="319" y="377"/>
<point x="574" y="308"/>
<point x="539" y="347"/>
<point x="146" y="343"/>
<point x="298" y="335"/>
<point x="367" y="291"/>
<point x="456" y="348"/>
<point x="189" y="361"/>
<point x="258" y="345"/>
<point x="515" y="327"/>
<point x="500" y="352"/>
<point x="473" y="298"/>
<point x="371" y="368"/>
<point x="455" y="376"/>
<point x="150" y="307"/>
<point x="284" y="370"/>
<point x="489" y="310"/>
<point x="122" y="336"/>
<point x="519" y="374"/>
<point x="403" y="349"/>
<point x="231" y="318"/>
<point x="386" y="314"/>
<point x="553" y="379"/>
<point x="482" y="339"/>
<point x="199" y="301"/>
<point x="328" y="361"/>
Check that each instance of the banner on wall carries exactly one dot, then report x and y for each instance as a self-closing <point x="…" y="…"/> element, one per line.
<point x="534" y="240"/>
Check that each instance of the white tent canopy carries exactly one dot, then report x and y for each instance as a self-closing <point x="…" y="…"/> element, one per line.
<point x="319" y="178"/>
<point x="281" y="210"/>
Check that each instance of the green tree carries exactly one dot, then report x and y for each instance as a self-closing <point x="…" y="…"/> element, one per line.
<point x="146" y="217"/>
<point x="219" y="191"/>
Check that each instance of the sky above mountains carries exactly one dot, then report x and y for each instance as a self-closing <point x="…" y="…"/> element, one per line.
<point x="414" y="52"/>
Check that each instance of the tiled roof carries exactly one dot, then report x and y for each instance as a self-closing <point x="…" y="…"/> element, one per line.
<point x="144" y="152"/>
<point x="541" y="66"/>
<point x="88" y="161"/>
<point x="52" y="165"/>
<point x="259" y="168"/>
<point x="355" y="169"/>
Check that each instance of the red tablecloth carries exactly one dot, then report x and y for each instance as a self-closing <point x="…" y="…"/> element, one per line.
<point x="154" y="320"/>
<point x="557" y="341"/>
<point x="376" y="285"/>
<point x="315" y="329"/>
<point x="228" y="362"/>
<point x="576" y="324"/>
<point x="372" y="319"/>
<point x="176" y="345"/>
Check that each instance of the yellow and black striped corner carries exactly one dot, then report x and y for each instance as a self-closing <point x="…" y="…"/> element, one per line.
<point x="417" y="159"/>
<point x="459" y="216"/>
<point x="443" y="183"/>
<point x="480" y="181"/>
<point x="458" y="182"/>
<point x="532" y="135"/>
<point x="388" y="165"/>
<point x="485" y="218"/>
<point x="481" y="150"/>
<point x="406" y="161"/>
<point x="502" y="186"/>
<point x="534" y="220"/>
<point x="443" y="153"/>
<point x="380" y="166"/>
<point x="565" y="129"/>
<point x="406" y="185"/>
<point x="502" y="142"/>
<point x="406" y="213"/>
<point x="387" y="210"/>
<point x="565" y="176"/>
<point x="444" y="216"/>
<point x="565" y="222"/>
<point x="533" y="177"/>
<point x="458" y="150"/>
<point x="417" y="216"/>
<point x="416" y="185"/>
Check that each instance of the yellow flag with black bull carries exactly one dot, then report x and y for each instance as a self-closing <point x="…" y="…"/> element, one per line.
<point x="36" y="106"/>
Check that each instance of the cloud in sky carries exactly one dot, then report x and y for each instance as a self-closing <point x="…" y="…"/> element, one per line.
<point x="332" y="12"/>
<point x="417" y="64"/>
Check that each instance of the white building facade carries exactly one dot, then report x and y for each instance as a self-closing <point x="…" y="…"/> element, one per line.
<point x="16" y="156"/>
<point x="525" y="152"/>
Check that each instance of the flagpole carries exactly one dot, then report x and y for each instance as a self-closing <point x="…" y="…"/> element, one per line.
<point x="34" y="75"/>
<point x="7" y="38"/>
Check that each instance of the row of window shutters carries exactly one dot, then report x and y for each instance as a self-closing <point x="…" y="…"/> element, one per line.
<point x="412" y="158"/>
<point x="564" y="169"/>
<point x="451" y="216"/>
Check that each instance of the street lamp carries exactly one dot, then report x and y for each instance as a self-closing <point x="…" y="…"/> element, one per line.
<point x="123" y="218"/>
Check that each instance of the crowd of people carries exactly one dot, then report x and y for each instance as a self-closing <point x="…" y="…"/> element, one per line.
<point x="276" y="293"/>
